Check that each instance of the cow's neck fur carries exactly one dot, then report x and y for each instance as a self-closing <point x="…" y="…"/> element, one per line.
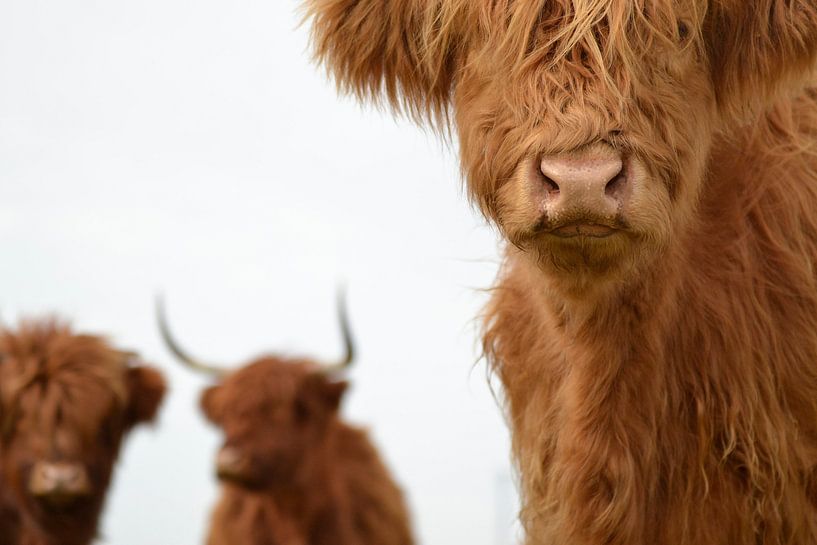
<point x="605" y="400"/>
<point x="346" y="496"/>
<point x="9" y="518"/>
<point x="291" y="504"/>
<point x="636" y="413"/>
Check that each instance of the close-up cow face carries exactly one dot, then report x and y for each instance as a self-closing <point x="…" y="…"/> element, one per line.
<point x="585" y="141"/>
<point x="584" y="125"/>
<point x="66" y="402"/>
<point x="273" y="414"/>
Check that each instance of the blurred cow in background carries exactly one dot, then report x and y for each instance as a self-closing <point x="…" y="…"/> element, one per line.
<point x="292" y="472"/>
<point x="66" y="403"/>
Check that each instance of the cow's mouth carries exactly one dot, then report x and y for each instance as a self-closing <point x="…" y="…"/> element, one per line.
<point x="589" y="230"/>
<point x="64" y="505"/>
<point x="235" y="477"/>
<point x="242" y="479"/>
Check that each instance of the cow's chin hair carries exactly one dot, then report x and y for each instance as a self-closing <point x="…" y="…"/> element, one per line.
<point x="582" y="268"/>
<point x="595" y="257"/>
<point x="77" y="510"/>
<point x="74" y="519"/>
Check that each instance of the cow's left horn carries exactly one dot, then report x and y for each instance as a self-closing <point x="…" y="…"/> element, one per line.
<point x="177" y="351"/>
<point x="346" y="332"/>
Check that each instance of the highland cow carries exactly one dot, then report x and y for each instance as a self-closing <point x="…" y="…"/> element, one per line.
<point x="66" y="403"/>
<point x="292" y="472"/>
<point x="653" y="164"/>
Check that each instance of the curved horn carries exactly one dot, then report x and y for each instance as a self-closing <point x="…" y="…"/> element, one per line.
<point x="346" y="332"/>
<point x="174" y="347"/>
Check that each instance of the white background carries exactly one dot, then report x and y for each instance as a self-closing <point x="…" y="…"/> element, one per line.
<point x="192" y="147"/>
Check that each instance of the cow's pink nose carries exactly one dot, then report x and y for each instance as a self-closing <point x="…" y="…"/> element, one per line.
<point x="59" y="481"/>
<point x="583" y="175"/>
<point x="592" y="184"/>
<point x="231" y="464"/>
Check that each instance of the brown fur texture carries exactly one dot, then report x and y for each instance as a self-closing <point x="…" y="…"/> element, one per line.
<point x="64" y="397"/>
<point x="306" y="478"/>
<point x="661" y="385"/>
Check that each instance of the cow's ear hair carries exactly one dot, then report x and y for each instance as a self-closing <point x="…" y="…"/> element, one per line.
<point x="758" y="49"/>
<point x="406" y="52"/>
<point x="209" y="403"/>
<point x="333" y="393"/>
<point x="146" y="390"/>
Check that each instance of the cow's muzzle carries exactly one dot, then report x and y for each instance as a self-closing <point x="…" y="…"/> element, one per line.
<point x="232" y="465"/>
<point x="59" y="483"/>
<point x="582" y="194"/>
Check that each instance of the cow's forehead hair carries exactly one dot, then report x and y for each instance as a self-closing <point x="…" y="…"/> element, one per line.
<point x="570" y="17"/>
<point x="268" y="378"/>
<point x="607" y="31"/>
<point x="585" y="62"/>
<point x="47" y="368"/>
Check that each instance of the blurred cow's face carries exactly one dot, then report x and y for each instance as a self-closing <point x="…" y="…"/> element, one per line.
<point x="273" y="414"/>
<point x="66" y="403"/>
<point x="56" y="459"/>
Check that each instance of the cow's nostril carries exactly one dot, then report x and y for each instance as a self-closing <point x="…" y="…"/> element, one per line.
<point x="550" y="183"/>
<point x="616" y="184"/>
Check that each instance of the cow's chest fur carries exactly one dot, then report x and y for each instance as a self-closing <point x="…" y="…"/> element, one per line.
<point x="663" y="437"/>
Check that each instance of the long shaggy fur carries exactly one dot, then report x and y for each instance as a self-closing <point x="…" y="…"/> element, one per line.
<point x="672" y="400"/>
<point x="64" y="396"/>
<point x="682" y="409"/>
<point x="316" y="480"/>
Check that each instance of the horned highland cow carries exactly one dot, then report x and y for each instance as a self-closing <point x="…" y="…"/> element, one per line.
<point x="292" y="472"/>
<point x="653" y="164"/>
<point x="67" y="401"/>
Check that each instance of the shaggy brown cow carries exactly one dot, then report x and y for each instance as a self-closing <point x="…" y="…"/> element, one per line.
<point x="66" y="402"/>
<point x="654" y="165"/>
<point x="292" y="472"/>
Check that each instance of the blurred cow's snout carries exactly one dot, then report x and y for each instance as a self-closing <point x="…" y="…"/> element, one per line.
<point x="231" y="464"/>
<point x="584" y="190"/>
<point x="60" y="482"/>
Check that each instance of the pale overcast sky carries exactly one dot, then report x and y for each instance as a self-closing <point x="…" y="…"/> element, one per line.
<point x="191" y="147"/>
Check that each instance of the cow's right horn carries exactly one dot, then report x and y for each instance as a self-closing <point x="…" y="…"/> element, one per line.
<point x="346" y="332"/>
<point x="177" y="351"/>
